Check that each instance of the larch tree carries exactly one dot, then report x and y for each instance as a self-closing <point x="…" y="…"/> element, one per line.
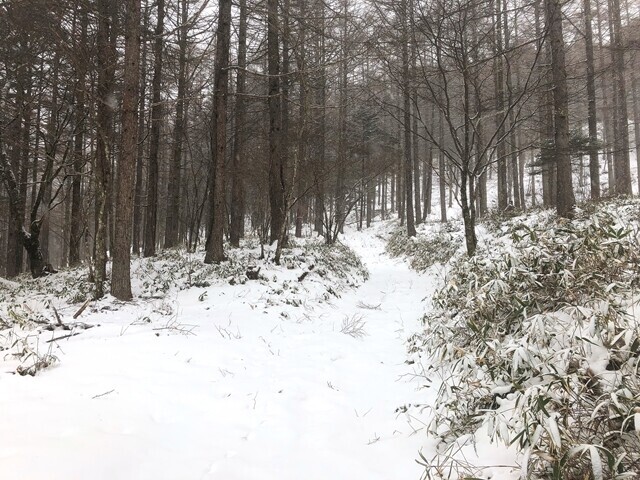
<point x="236" y="229"/>
<point x="565" y="195"/>
<point x="121" y="270"/>
<point x="172" y="224"/>
<point x="106" y="66"/>
<point x="151" y="217"/>
<point x="592" y="119"/>
<point x="214" y="246"/>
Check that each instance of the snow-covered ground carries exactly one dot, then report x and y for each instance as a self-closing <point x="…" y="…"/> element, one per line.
<point x="225" y="385"/>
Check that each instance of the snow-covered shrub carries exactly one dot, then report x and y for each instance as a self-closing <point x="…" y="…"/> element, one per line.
<point x="181" y="269"/>
<point x="70" y="285"/>
<point x="435" y="245"/>
<point x="338" y="261"/>
<point x="535" y="340"/>
<point x="337" y="265"/>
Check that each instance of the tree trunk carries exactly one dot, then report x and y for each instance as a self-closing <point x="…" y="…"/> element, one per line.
<point x="76" y="234"/>
<point x="622" y="171"/>
<point x="215" y="250"/>
<point x="28" y="240"/>
<point x="565" y="198"/>
<point x="468" y="215"/>
<point x="442" y="176"/>
<point x="277" y="185"/>
<point x="499" y="91"/>
<point x="406" y="93"/>
<point x="151" y="216"/>
<point x="138" y="223"/>
<point x="172" y="229"/>
<point x="634" y="98"/>
<point x="237" y="182"/>
<point x="302" y="134"/>
<point x="340" y="193"/>
<point x="513" y="141"/>
<point x="594" y="164"/>
<point x="319" y="164"/>
<point x="606" y="106"/>
<point x="106" y="61"/>
<point x="121" y="271"/>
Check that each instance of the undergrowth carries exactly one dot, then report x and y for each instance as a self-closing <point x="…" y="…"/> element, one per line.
<point x="537" y="342"/>
<point x="436" y="245"/>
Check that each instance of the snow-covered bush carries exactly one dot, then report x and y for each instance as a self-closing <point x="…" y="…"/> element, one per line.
<point x="435" y="245"/>
<point x="535" y="340"/>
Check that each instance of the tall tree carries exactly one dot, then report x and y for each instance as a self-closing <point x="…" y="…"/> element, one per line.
<point x="565" y="197"/>
<point x="277" y="186"/>
<point x="121" y="271"/>
<point x="172" y="228"/>
<point x="106" y="64"/>
<point x="406" y="94"/>
<point x="75" y="237"/>
<point x="138" y="219"/>
<point x="622" y="170"/>
<point x="215" y="250"/>
<point x="594" y="164"/>
<point x="501" y="150"/>
<point x="151" y="217"/>
<point x="236" y="230"/>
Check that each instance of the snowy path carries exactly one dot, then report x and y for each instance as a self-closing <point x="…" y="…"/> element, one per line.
<point x="291" y="398"/>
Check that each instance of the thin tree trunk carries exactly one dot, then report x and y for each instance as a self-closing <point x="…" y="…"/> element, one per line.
<point x="340" y="193"/>
<point x="622" y="171"/>
<point x="301" y="206"/>
<point x="513" y="141"/>
<point x="106" y="60"/>
<point x="276" y="158"/>
<point x="606" y="106"/>
<point x="151" y="216"/>
<point x="76" y="233"/>
<point x="138" y="195"/>
<point x="172" y="229"/>
<point x="442" y="177"/>
<point x="237" y="182"/>
<point x="594" y="164"/>
<point x="499" y="91"/>
<point x="319" y="164"/>
<point x="406" y="93"/>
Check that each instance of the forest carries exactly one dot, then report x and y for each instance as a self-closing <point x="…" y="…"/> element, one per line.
<point x="192" y="122"/>
<point x="446" y="188"/>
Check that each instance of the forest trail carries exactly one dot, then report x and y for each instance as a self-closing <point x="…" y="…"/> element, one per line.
<point x="271" y="394"/>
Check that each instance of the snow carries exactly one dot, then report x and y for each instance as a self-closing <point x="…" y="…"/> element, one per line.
<point x="228" y="386"/>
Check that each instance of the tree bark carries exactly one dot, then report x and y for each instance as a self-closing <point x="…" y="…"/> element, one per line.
<point x="565" y="198"/>
<point x="172" y="229"/>
<point x="622" y="170"/>
<point x="151" y="216"/>
<point x="106" y="62"/>
<point x="592" y="119"/>
<point x="138" y="222"/>
<point x="499" y="91"/>
<point x="277" y="185"/>
<point x="121" y="271"/>
<point x="406" y="93"/>
<point x="215" y="250"/>
<point x="236" y="230"/>
<point x="76" y="227"/>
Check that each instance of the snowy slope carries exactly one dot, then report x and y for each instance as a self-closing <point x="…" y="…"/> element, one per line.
<point x="227" y="386"/>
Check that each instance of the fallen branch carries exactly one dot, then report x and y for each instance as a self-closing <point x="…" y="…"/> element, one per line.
<point x="81" y="309"/>
<point x="58" y="319"/>
<point x="62" y="337"/>
<point x="103" y="394"/>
